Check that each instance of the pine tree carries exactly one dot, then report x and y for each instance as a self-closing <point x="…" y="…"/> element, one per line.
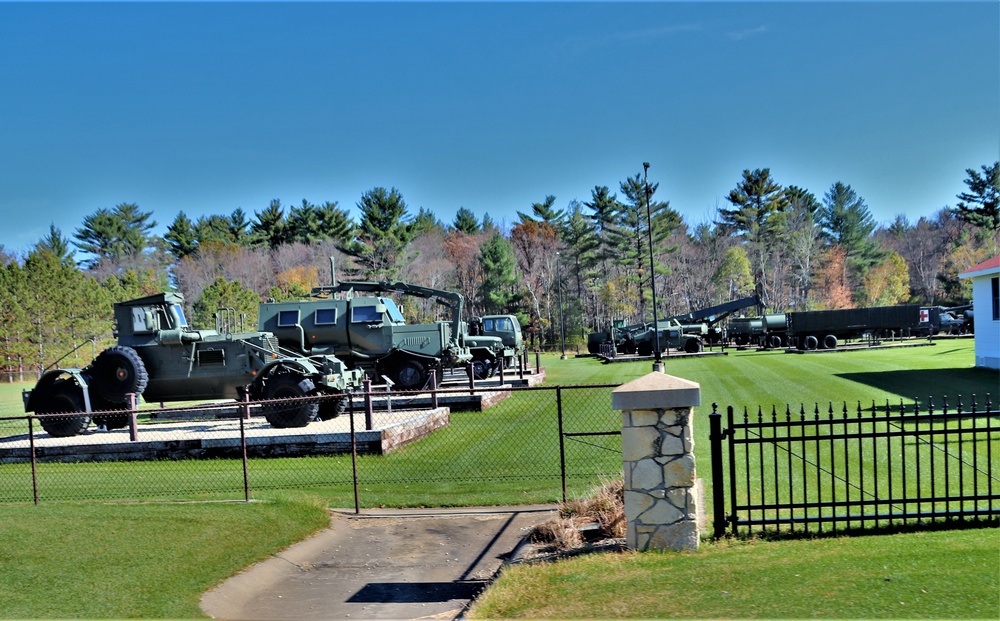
<point x="465" y="221"/>
<point x="112" y="234"/>
<point x="758" y="216"/>
<point x="980" y="206"/>
<point x="384" y="232"/>
<point x="270" y="228"/>
<point x="181" y="237"/>
<point x="499" y="288"/>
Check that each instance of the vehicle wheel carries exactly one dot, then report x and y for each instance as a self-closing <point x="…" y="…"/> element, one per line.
<point x="118" y="371"/>
<point x="829" y="342"/>
<point x="810" y="342"/>
<point x="411" y="375"/>
<point x="64" y="397"/>
<point x="774" y="342"/>
<point x="741" y="340"/>
<point x="644" y="349"/>
<point x="108" y="419"/>
<point x="332" y="406"/>
<point x="692" y="346"/>
<point x="481" y="369"/>
<point x="296" y="414"/>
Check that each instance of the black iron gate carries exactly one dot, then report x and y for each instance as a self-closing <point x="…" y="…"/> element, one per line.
<point x="840" y="469"/>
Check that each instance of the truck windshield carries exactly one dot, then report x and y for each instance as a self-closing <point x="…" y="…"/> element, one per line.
<point x="393" y="311"/>
<point x="178" y="312"/>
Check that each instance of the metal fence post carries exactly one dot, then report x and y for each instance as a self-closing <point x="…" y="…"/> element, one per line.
<point x="715" y="436"/>
<point x="243" y="443"/>
<point x="34" y="462"/>
<point x="538" y="361"/>
<point x="368" y="404"/>
<point x="133" y="431"/>
<point x="354" y="446"/>
<point x="434" y="390"/>
<point x="562" y="442"/>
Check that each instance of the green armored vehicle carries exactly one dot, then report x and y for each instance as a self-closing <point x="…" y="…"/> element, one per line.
<point x="368" y="331"/>
<point x="159" y="357"/>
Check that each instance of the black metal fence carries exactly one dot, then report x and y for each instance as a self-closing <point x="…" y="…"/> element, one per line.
<point x="492" y="444"/>
<point x="854" y="468"/>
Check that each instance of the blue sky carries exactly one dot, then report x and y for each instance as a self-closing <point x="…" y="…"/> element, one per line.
<point x="207" y="108"/>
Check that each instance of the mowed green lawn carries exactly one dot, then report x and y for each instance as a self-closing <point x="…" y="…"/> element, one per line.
<point x="155" y="560"/>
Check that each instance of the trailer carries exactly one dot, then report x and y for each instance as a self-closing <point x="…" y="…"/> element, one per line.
<point x="824" y="329"/>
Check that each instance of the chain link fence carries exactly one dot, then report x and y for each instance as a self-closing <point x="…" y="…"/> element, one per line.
<point x="479" y="446"/>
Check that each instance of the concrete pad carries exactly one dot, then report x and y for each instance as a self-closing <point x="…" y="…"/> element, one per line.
<point x="383" y="564"/>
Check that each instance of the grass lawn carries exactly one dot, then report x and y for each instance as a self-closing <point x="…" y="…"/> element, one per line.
<point x="928" y="575"/>
<point x="155" y="560"/>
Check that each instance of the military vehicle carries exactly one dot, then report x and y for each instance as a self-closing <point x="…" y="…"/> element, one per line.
<point x="640" y="338"/>
<point x="768" y="331"/>
<point x="825" y="329"/>
<point x="508" y="329"/>
<point x="940" y="319"/>
<point x="494" y="340"/>
<point x="368" y="331"/>
<point x="672" y="335"/>
<point x="159" y="357"/>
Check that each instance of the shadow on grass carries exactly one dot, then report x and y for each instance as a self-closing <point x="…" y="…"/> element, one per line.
<point x="935" y="383"/>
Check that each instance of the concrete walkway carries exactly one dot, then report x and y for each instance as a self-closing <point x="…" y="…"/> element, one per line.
<point x="382" y="564"/>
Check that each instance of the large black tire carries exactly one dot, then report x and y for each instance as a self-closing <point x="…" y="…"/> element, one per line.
<point x="830" y="342"/>
<point x="810" y="343"/>
<point x="644" y="348"/>
<point x="481" y="368"/>
<point x="116" y="372"/>
<point x="295" y="414"/>
<point x="692" y="346"/>
<point x="332" y="406"/>
<point x="109" y="418"/>
<point x="774" y="341"/>
<point x="410" y="375"/>
<point x="63" y="397"/>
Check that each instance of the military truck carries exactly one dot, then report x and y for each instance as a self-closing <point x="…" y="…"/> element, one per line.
<point x="494" y="340"/>
<point x="940" y="319"/>
<point x="640" y="338"/>
<point x="672" y="335"/>
<point x="368" y="332"/>
<point x="767" y="331"/>
<point x="508" y="329"/>
<point x="160" y="358"/>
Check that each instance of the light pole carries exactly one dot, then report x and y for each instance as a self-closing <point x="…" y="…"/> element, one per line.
<point x="562" y="323"/>
<point x="658" y="358"/>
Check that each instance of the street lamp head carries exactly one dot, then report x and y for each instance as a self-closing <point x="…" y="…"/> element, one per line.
<point x="645" y="166"/>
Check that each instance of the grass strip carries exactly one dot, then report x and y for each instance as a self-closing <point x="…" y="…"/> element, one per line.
<point x="926" y="575"/>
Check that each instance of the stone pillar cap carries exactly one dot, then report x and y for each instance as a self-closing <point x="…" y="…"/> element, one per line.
<point x="656" y="391"/>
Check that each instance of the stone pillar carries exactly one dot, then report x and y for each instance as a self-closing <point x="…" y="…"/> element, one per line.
<point x="661" y="500"/>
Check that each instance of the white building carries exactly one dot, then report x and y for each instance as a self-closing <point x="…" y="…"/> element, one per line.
<point x="986" y="308"/>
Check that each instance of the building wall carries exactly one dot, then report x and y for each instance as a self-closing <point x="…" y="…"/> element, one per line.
<point x="987" y="328"/>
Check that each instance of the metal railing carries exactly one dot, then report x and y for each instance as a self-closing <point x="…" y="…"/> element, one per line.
<point x="844" y="468"/>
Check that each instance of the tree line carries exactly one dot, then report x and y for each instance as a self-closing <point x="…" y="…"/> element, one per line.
<point x="595" y="260"/>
